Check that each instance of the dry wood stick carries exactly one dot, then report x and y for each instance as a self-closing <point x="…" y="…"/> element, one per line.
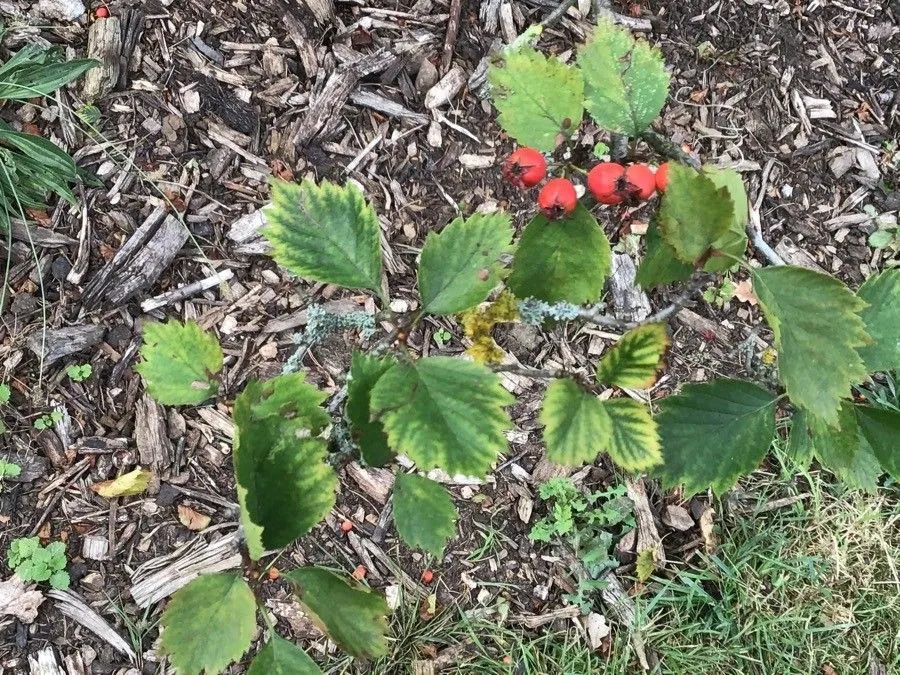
<point x="450" y="37"/>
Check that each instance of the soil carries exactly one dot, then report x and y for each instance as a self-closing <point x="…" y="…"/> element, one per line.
<point x="200" y="125"/>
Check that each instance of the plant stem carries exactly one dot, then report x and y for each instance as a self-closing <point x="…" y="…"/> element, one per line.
<point x="597" y="316"/>
<point x="524" y="371"/>
<point x="667" y="148"/>
<point x="557" y="13"/>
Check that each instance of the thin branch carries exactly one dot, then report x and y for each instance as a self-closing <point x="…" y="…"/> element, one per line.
<point x="557" y="13"/>
<point x="667" y="148"/>
<point x="596" y="316"/>
<point x="754" y="222"/>
<point x="450" y="36"/>
<point x="533" y="373"/>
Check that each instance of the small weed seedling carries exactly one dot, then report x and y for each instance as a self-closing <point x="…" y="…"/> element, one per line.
<point x="441" y="338"/>
<point x="79" y="372"/>
<point x="588" y="523"/>
<point x="8" y="470"/>
<point x="720" y="294"/>
<point x="33" y="562"/>
<point x="47" y="420"/>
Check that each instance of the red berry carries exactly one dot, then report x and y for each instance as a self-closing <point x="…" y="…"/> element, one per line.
<point x="346" y="526"/>
<point x="662" y="177"/>
<point x="604" y="182"/>
<point x="557" y="198"/>
<point x="427" y="576"/>
<point x="524" y="168"/>
<point x="102" y="12"/>
<point x="640" y="181"/>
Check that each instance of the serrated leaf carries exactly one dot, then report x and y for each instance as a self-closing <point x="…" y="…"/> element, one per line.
<point x="734" y="240"/>
<point x="659" y="265"/>
<point x="535" y="96"/>
<point x="635" y="358"/>
<point x="367" y="433"/>
<point x="281" y="657"/>
<point x="461" y="265"/>
<point x="578" y="426"/>
<point x="817" y="333"/>
<point x="800" y="447"/>
<point x="59" y="580"/>
<point x="694" y="213"/>
<point x="285" y="485"/>
<point x="561" y="260"/>
<point x="882" y="320"/>
<point x="180" y="363"/>
<point x="713" y="433"/>
<point x="625" y="80"/>
<point x="633" y="443"/>
<point x="128" y="484"/>
<point x="844" y="451"/>
<point x="424" y="513"/>
<point x="444" y="412"/>
<point x="355" y="618"/>
<point x="208" y="624"/>
<point x="881" y="428"/>
<point x="325" y="232"/>
<point x="645" y="565"/>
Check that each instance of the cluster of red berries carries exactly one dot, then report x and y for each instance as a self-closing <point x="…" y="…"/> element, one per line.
<point x="608" y="182"/>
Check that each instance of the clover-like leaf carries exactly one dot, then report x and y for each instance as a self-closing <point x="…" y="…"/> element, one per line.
<point x="444" y="412"/>
<point x="131" y="483"/>
<point x="355" y="618"/>
<point x="285" y="485"/>
<point x="881" y="428"/>
<point x="540" y="99"/>
<point x="281" y="657"/>
<point x="635" y="358"/>
<point x="424" y="513"/>
<point x="734" y="240"/>
<point x="660" y="265"/>
<point x="461" y="264"/>
<point x="208" y="624"/>
<point x="844" y="450"/>
<point x="561" y="260"/>
<point x="180" y="363"/>
<point x="714" y="432"/>
<point x="818" y="330"/>
<point x="882" y="320"/>
<point x="625" y="80"/>
<point x="695" y="213"/>
<point x="325" y="232"/>
<point x="367" y="433"/>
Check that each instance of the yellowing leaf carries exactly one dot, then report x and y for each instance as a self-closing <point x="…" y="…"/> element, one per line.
<point x="128" y="484"/>
<point x="645" y="565"/>
<point x="635" y="358"/>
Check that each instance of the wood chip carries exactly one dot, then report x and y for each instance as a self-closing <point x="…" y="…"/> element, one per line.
<point x="677" y="517"/>
<point x="104" y="45"/>
<point x="375" y="482"/>
<point x="17" y="601"/>
<point x="70" y="604"/>
<point x="58" y="343"/>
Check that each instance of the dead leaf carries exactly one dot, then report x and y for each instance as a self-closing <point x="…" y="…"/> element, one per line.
<point x="597" y="629"/>
<point x="707" y="519"/>
<point x="128" y="484"/>
<point x="743" y="291"/>
<point x="18" y="602"/>
<point x="192" y="520"/>
<point x="677" y="517"/>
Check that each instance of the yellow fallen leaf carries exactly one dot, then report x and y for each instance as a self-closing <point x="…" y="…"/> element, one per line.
<point x="192" y="520"/>
<point x="131" y="483"/>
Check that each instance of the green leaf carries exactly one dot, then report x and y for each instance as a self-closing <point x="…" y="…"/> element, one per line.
<point x="367" y="433"/>
<point x="625" y="80"/>
<point x="5" y="393"/>
<point x="208" y="624"/>
<point x="800" y="448"/>
<point x="461" y="265"/>
<point x="844" y="450"/>
<point x="424" y="513"/>
<point x="561" y="260"/>
<point x="536" y="96"/>
<point x="37" y="71"/>
<point x="60" y="580"/>
<point x="881" y="428"/>
<point x="694" y="213"/>
<point x="325" y="233"/>
<point x="634" y="440"/>
<point x="635" y="358"/>
<point x="713" y="433"/>
<point x="354" y="618"/>
<point x="444" y="412"/>
<point x="645" y="565"/>
<point x="578" y="426"/>
<point x="180" y="363"/>
<point x="285" y="485"/>
<point x="817" y="333"/>
<point x="734" y="241"/>
<point x="882" y="320"/>
<point x="280" y="657"/>
<point x="659" y="265"/>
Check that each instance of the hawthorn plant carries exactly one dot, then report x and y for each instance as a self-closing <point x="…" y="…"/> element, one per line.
<point x="450" y="413"/>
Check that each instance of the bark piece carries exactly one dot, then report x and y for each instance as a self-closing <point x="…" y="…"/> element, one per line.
<point x="678" y="518"/>
<point x="153" y="443"/>
<point x="139" y="263"/>
<point x="446" y="88"/>
<point x="61" y="342"/>
<point x="647" y="535"/>
<point x="94" y="547"/>
<point x="71" y="604"/>
<point x="630" y="303"/>
<point x="377" y="483"/>
<point x="17" y="601"/>
<point x="794" y="255"/>
<point x="105" y="45"/>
